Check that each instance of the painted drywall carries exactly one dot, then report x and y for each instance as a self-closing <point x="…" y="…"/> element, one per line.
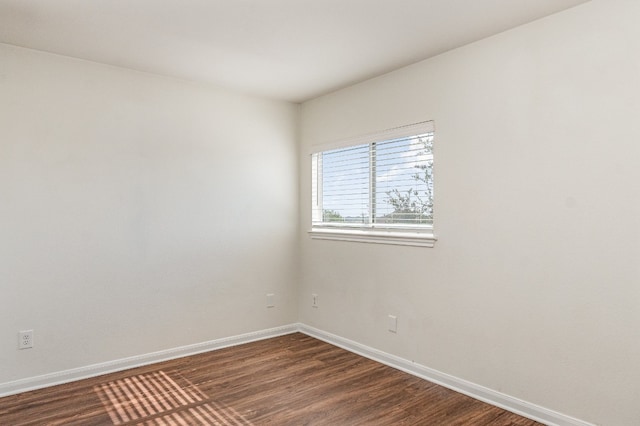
<point x="533" y="287"/>
<point x="137" y="213"/>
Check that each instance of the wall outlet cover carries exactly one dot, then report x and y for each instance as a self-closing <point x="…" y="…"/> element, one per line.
<point x="25" y="339"/>
<point x="393" y="323"/>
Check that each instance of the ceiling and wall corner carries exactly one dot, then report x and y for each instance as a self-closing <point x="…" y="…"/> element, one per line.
<point x="292" y="50"/>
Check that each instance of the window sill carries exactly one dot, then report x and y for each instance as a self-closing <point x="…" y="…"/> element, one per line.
<point x="400" y="238"/>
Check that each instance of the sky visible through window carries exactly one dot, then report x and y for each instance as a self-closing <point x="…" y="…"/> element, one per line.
<point x="391" y="181"/>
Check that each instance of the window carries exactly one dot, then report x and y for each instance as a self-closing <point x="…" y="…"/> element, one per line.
<point x="376" y="189"/>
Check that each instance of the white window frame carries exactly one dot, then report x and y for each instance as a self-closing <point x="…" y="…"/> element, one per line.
<point x="396" y="234"/>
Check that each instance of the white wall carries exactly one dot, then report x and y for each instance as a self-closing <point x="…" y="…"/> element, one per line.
<point x="137" y="213"/>
<point x="533" y="288"/>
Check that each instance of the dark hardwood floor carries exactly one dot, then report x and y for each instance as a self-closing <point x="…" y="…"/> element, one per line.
<point x="288" y="380"/>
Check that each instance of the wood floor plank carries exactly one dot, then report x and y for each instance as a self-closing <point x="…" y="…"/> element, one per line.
<point x="288" y="380"/>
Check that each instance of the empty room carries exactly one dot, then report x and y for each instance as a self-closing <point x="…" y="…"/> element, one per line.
<point x="329" y="212"/>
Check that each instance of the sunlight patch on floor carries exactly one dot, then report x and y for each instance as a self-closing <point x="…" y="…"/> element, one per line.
<point x="155" y="399"/>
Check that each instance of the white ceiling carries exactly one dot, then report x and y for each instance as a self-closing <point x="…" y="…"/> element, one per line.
<point x="284" y="49"/>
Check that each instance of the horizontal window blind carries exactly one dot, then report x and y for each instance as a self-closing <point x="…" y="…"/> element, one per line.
<point x="381" y="183"/>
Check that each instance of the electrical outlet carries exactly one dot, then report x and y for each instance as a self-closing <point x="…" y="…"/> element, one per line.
<point x="25" y="339"/>
<point x="314" y="300"/>
<point x="271" y="300"/>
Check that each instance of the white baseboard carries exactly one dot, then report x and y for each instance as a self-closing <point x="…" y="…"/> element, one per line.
<point x="66" y="376"/>
<point x="523" y="408"/>
<point x="473" y="390"/>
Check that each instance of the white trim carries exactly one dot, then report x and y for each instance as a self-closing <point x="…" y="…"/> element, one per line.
<point x="381" y="233"/>
<point x="523" y="408"/>
<point x="515" y="405"/>
<point x="383" y="135"/>
<point x="417" y="239"/>
<point x="66" y="376"/>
